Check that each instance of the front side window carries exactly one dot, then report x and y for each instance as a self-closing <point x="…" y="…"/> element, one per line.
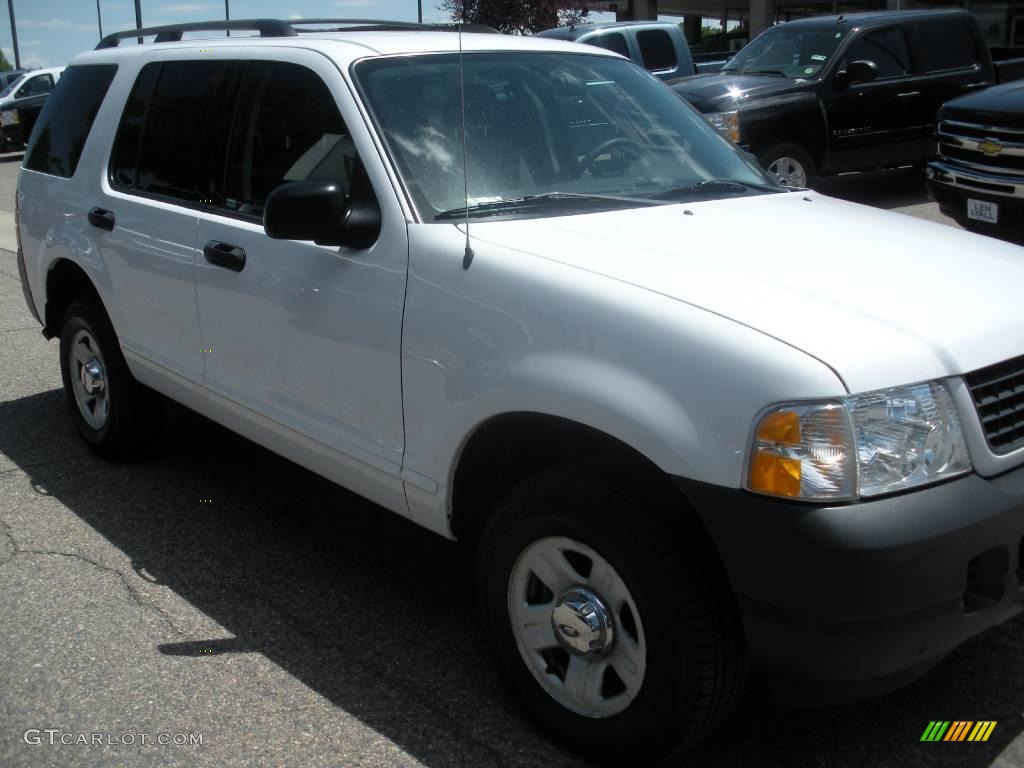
<point x="656" y="49"/>
<point x="557" y="132"/>
<point x="162" y="146"/>
<point x="947" y="45"/>
<point x="287" y="128"/>
<point x="66" y="119"/>
<point x="800" y="51"/>
<point x="35" y="86"/>
<point x="887" y="48"/>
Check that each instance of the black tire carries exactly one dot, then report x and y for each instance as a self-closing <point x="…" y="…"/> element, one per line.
<point x="130" y="405"/>
<point x="796" y="153"/>
<point x="696" y="655"/>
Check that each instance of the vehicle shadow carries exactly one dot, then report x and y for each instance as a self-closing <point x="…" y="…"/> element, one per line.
<point x="377" y="615"/>
<point x="882" y="189"/>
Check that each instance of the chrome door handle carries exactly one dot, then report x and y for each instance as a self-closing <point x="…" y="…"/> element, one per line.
<point x="908" y="95"/>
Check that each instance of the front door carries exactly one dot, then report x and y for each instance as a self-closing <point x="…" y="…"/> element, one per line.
<point x="879" y="122"/>
<point x="307" y="336"/>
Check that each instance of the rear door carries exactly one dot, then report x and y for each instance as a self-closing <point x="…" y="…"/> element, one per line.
<point x="658" y="53"/>
<point x="879" y="122"/>
<point x="307" y="336"/>
<point x="157" y="181"/>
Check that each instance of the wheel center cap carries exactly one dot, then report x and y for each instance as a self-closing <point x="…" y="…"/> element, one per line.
<point x="92" y="377"/>
<point x="582" y="622"/>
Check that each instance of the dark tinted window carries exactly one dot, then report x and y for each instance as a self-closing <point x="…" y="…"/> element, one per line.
<point x="63" y="126"/>
<point x="287" y="128"/>
<point x="35" y="86"/>
<point x="947" y="45"/>
<point x="887" y="48"/>
<point x="613" y="41"/>
<point x="656" y="49"/>
<point x="125" y="161"/>
<point x="163" y="142"/>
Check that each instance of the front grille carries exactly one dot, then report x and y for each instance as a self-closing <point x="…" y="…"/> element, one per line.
<point x="966" y="143"/>
<point x="998" y="393"/>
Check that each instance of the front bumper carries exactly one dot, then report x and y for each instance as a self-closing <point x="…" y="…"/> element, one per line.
<point x="951" y="185"/>
<point x="844" y="602"/>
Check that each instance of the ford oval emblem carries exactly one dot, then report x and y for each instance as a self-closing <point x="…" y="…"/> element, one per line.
<point x="568" y="631"/>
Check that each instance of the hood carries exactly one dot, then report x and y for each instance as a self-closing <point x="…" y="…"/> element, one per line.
<point x="1001" y="106"/>
<point x="882" y="298"/>
<point x="722" y="91"/>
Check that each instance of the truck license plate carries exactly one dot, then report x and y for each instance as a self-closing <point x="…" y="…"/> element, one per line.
<point x="981" y="210"/>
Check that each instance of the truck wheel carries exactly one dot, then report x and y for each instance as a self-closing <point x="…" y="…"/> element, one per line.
<point x="108" y="406"/>
<point x="612" y="623"/>
<point x="790" y="165"/>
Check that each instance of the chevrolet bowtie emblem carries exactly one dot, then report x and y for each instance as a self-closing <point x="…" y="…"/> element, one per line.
<point x="990" y="147"/>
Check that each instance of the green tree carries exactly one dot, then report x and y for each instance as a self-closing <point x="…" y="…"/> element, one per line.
<point x="4" y="63"/>
<point x="520" y="17"/>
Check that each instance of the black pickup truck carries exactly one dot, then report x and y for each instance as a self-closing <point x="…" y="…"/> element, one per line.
<point x="977" y="176"/>
<point x="832" y="94"/>
<point x="17" y="118"/>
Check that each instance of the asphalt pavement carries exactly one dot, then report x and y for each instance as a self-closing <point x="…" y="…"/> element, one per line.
<point x="212" y="589"/>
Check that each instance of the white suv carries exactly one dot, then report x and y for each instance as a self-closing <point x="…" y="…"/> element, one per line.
<point x="692" y="422"/>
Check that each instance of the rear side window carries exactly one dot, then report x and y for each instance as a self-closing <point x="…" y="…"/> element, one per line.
<point x="67" y="117"/>
<point x="613" y="41"/>
<point x="287" y="128"/>
<point x="162" y="146"/>
<point x="947" y="45"/>
<point x="887" y="48"/>
<point x="656" y="49"/>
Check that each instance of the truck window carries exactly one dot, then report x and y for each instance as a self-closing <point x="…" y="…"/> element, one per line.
<point x="887" y="48"/>
<point x="35" y="86"/>
<point x="66" y="119"/>
<point x="656" y="49"/>
<point x="947" y="45"/>
<point x="612" y="41"/>
<point x="164" y="128"/>
<point x="273" y="142"/>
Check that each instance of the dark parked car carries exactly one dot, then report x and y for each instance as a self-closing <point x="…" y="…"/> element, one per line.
<point x="847" y="93"/>
<point x="17" y="118"/>
<point x="977" y="176"/>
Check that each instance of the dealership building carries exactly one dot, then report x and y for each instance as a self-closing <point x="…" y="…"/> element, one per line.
<point x="1002" y="21"/>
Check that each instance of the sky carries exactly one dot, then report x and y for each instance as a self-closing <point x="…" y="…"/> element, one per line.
<point x="52" y="32"/>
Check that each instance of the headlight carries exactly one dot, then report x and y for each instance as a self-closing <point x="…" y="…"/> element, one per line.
<point x="727" y="123"/>
<point x="862" y="445"/>
<point x="10" y="117"/>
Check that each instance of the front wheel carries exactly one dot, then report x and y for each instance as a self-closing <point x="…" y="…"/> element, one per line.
<point x="608" y="616"/>
<point x="790" y="165"/>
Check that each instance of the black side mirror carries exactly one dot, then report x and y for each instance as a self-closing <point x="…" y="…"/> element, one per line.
<point x="861" y="71"/>
<point x="320" y="211"/>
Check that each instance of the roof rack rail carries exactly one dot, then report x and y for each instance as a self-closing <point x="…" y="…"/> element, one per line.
<point x="172" y="33"/>
<point x="357" y="25"/>
<point x="277" y="28"/>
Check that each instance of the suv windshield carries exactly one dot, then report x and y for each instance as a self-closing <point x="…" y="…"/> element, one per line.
<point x="792" y="51"/>
<point x="546" y="134"/>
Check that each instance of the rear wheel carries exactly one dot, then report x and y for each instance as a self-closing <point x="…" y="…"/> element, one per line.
<point x="111" y="410"/>
<point x="610" y="621"/>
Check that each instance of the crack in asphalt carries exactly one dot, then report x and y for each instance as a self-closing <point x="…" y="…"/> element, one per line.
<point x="19" y="330"/>
<point x="135" y="597"/>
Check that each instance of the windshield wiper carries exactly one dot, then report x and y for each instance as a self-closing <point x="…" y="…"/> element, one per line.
<point x="528" y="202"/>
<point x="713" y="185"/>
